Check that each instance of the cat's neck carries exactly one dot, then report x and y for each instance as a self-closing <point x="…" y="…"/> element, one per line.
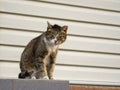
<point x="50" y="45"/>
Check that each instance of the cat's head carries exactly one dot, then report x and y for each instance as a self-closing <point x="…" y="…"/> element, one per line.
<point x="56" y="34"/>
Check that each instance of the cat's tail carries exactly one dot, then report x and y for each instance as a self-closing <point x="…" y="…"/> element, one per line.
<point x="23" y="75"/>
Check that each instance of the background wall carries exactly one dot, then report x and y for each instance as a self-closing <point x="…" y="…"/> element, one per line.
<point x="91" y="53"/>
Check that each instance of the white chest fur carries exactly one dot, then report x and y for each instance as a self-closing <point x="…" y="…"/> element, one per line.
<point x="51" y="47"/>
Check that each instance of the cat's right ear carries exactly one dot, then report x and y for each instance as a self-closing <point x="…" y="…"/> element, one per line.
<point x="49" y="25"/>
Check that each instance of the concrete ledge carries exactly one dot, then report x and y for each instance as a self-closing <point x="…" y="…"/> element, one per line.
<point x="18" y="84"/>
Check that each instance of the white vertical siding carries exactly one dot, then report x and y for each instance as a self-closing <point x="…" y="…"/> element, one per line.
<point x="92" y="50"/>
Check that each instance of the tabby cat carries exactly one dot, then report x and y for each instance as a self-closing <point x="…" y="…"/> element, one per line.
<point x="39" y="57"/>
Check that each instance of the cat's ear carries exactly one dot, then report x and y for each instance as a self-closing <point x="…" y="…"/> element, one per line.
<point x="65" y="28"/>
<point x="49" y="25"/>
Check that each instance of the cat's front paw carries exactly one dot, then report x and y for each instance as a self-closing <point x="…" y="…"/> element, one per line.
<point x="44" y="78"/>
<point x="51" y="78"/>
<point x="33" y="77"/>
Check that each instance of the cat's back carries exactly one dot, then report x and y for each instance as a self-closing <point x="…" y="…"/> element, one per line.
<point x="29" y="49"/>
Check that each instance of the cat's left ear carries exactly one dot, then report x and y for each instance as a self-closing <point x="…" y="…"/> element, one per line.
<point x="49" y="25"/>
<point x="65" y="28"/>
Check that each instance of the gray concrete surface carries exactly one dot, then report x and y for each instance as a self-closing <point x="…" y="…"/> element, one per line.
<point x="19" y="84"/>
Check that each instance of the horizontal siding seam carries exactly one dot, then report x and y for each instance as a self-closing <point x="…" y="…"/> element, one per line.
<point x="85" y="36"/>
<point x="63" y="19"/>
<point x="85" y="51"/>
<point x="70" y="65"/>
<point x="79" y="6"/>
